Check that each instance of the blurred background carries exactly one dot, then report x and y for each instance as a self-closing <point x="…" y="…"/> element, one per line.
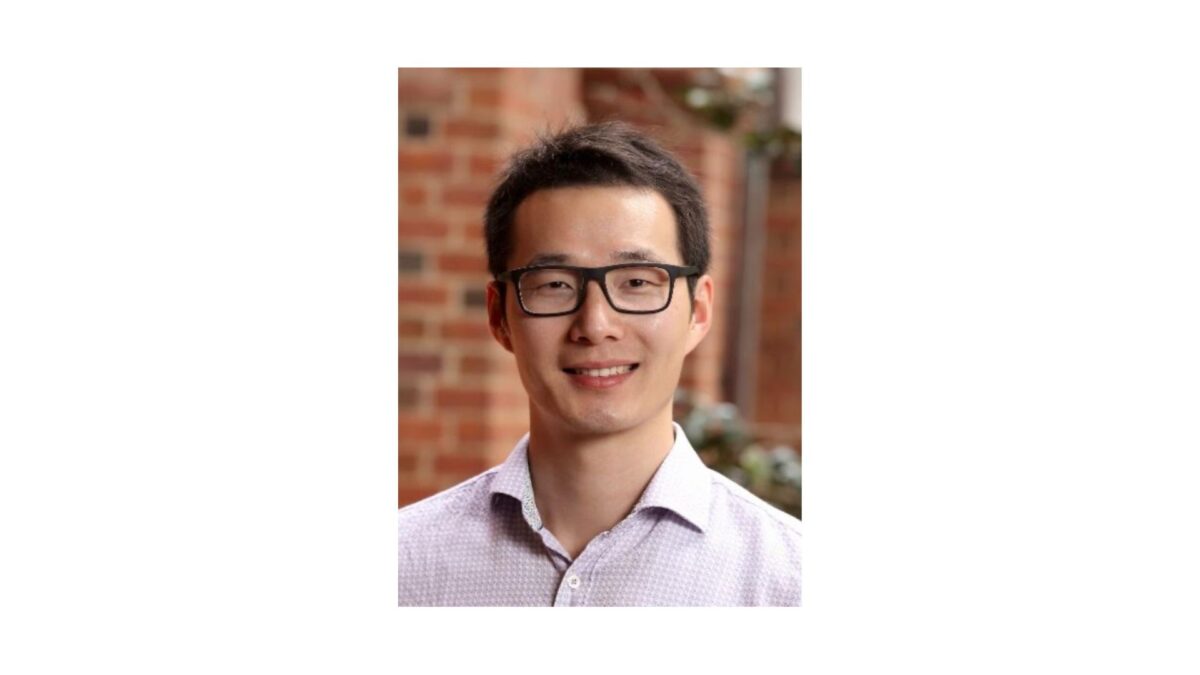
<point x="462" y="407"/>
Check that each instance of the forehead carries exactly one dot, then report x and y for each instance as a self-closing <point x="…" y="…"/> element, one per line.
<point x="594" y="226"/>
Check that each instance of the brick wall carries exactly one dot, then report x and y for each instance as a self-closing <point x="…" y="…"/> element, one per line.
<point x="461" y="402"/>
<point x="777" y="402"/>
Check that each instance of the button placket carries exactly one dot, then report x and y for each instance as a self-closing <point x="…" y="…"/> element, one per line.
<point x="568" y="587"/>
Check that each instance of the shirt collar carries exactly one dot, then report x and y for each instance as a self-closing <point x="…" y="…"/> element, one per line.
<point x="681" y="484"/>
<point x="513" y="479"/>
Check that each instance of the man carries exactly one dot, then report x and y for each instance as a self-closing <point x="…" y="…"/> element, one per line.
<point x="599" y="243"/>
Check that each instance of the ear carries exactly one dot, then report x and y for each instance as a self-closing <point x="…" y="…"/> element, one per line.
<point x="702" y="312"/>
<point x="496" y="315"/>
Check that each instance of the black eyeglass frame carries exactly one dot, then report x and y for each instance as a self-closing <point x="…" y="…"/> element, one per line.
<point x="598" y="274"/>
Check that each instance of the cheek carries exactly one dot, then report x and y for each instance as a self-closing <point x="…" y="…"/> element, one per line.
<point x="657" y="322"/>
<point x="666" y="332"/>
<point x="535" y="343"/>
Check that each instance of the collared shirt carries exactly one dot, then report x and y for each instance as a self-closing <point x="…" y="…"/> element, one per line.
<point x="693" y="538"/>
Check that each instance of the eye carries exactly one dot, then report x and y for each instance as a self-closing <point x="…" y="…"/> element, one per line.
<point x="639" y="283"/>
<point x="553" y="286"/>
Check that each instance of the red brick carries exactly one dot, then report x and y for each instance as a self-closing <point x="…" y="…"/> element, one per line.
<point x="412" y="328"/>
<point x="408" y="396"/>
<point x="415" y="428"/>
<point x="413" y="195"/>
<point x="486" y="97"/>
<point x="418" y="294"/>
<point x="459" y="262"/>
<point x="473" y="431"/>
<point x="467" y="330"/>
<point x="475" y="365"/>
<point x="473" y="232"/>
<point x="420" y="363"/>
<point x="408" y="495"/>
<point x="460" y="128"/>
<point x="480" y="72"/>
<point x="422" y="227"/>
<point x="407" y="463"/>
<point x="511" y="400"/>
<point x="784" y="223"/>
<point x="425" y="161"/>
<point x="449" y="397"/>
<point x="424" y="90"/>
<point x="460" y="464"/>
<point x="466" y="196"/>
<point x="484" y="165"/>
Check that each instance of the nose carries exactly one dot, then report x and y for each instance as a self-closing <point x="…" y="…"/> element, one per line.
<point x="596" y="320"/>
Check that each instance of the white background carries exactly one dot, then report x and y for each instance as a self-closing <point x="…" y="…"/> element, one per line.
<point x="198" y="378"/>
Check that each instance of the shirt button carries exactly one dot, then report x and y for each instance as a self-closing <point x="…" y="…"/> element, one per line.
<point x="573" y="581"/>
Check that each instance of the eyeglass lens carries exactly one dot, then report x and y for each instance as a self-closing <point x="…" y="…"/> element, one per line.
<point x="638" y="289"/>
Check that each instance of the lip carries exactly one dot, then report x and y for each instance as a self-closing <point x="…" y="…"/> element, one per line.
<point x="594" y="382"/>
<point x="592" y="365"/>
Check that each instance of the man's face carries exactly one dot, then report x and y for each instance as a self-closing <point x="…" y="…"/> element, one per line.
<point x="593" y="227"/>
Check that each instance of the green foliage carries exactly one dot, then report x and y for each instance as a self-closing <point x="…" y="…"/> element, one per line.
<point x="722" y="440"/>
<point x="718" y="107"/>
<point x="775" y="143"/>
<point x="726" y="106"/>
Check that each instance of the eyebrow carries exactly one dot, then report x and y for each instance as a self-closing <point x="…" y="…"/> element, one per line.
<point x="547" y="259"/>
<point x="630" y="255"/>
<point x="636" y="255"/>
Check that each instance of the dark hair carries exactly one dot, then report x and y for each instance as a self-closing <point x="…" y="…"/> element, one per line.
<point x="603" y="154"/>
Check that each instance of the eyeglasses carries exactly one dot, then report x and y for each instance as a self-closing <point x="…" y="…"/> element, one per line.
<point x="632" y="288"/>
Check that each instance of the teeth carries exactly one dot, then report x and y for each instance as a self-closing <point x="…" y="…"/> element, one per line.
<point x="605" y="372"/>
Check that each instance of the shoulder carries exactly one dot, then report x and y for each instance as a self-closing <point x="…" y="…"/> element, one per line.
<point x="431" y="534"/>
<point x="443" y="509"/>
<point x="765" y="541"/>
<point x="736" y="502"/>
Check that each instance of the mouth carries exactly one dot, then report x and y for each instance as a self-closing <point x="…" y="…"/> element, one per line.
<point x="603" y="372"/>
<point x="601" y="378"/>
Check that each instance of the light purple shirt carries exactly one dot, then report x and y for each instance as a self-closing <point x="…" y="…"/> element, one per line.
<point x="693" y="538"/>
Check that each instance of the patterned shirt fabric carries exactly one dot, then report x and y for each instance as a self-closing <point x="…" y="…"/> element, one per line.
<point x="694" y="538"/>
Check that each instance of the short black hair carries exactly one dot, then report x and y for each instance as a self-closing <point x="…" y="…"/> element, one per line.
<point x="602" y="154"/>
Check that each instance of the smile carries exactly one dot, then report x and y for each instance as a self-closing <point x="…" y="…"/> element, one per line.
<point x="601" y="378"/>
<point x="602" y="372"/>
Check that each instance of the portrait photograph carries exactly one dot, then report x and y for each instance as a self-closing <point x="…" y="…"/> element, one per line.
<point x="599" y="337"/>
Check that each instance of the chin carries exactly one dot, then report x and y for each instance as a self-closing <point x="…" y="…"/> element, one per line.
<point x="597" y="420"/>
<point x="600" y="422"/>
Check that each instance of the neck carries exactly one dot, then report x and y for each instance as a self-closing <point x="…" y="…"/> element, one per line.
<point x="584" y="484"/>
